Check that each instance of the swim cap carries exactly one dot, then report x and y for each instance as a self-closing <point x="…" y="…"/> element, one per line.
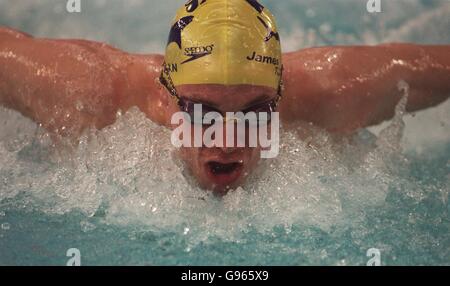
<point x="227" y="42"/>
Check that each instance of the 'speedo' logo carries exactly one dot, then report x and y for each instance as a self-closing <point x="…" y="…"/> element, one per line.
<point x="195" y="53"/>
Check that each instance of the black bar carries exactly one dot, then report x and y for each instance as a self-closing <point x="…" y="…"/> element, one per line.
<point x="225" y="275"/>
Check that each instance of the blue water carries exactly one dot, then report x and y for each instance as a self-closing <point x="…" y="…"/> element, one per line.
<point x="122" y="198"/>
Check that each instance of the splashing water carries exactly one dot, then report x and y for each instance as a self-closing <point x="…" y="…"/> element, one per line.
<point x="128" y="177"/>
<point x="122" y="196"/>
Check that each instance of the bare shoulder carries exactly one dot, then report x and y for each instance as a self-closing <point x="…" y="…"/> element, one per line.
<point x="332" y="87"/>
<point x="70" y="85"/>
<point x="308" y="74"/>
<point x="344" y="88"/>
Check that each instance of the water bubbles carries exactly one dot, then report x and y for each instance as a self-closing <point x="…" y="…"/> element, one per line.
<point x="87" y="226"/>
<point x="79" y="105"/>
<point x="131" y="175"/>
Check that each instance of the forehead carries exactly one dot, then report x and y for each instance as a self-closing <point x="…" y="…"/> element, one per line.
<point x="227" y="97"/>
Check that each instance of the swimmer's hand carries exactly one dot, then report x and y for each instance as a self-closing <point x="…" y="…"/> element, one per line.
<point x="70" y="85"/>
<point x="343" y="89"/>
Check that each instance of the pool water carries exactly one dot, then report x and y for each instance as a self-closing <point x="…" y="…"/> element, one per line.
<point x="122" y="197"/>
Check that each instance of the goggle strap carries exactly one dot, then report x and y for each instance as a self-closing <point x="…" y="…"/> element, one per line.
<point x="168" y="83"/>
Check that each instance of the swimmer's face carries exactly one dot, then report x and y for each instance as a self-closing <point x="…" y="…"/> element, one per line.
<point x="220" y="169"/>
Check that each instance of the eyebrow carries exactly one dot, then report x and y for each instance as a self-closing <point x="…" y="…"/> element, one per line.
<point x="203" y="102"/>
<point x="260" y="99"/>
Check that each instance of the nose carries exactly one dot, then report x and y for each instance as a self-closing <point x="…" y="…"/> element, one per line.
<point x="229" y="137"/>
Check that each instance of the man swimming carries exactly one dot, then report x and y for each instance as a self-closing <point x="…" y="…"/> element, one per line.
<point x="225" y="55"/>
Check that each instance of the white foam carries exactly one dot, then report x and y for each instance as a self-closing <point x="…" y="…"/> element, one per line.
<point x="131" y="173"/>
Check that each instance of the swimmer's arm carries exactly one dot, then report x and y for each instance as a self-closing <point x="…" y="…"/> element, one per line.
<point x="70" y="85"/>
<point x="343" y="89"/>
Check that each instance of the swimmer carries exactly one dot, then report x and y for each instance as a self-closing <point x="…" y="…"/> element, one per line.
<point x="225" y="55"/>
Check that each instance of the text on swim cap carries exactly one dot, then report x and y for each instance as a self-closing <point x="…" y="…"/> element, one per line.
<point x="197" y="52"/>
<point x="263" y="59"/>
<point x="170" y="68"/>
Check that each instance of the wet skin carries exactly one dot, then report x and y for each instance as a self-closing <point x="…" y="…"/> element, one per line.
<point x="70" y="85"/>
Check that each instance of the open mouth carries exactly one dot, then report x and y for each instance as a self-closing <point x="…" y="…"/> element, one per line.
<point x="224" y="174"/>
<point x="219" y="168"/>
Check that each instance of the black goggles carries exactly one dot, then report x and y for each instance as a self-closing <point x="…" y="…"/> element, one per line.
<point x="262" y="110"/>
<point x="257" y="115"/>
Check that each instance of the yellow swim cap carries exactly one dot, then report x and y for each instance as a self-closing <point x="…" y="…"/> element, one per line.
<point x="228" y="42"/>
